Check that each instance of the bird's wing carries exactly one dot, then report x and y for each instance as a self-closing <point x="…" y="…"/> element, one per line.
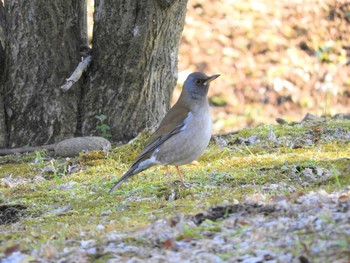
<point x="173" y="123"/>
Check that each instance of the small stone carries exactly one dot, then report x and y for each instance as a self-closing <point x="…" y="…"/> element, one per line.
<point x="281" y="121"/>
<point x="100" y="227"/>
<point x="91" y="251"/>
<point x="106" y="213"/>
<point x="87" y="243"/>
<point x="253" y="140"/>
<point x="310" y="117"/>
<point x="253" y="260"/>
<point x="220" y="141"/>
<point x="67" y="186"/>
<point x="341" y="116"/>
<point x="17" y="257"/>
<point x="210" y="257"/>
<point x="59" y="210"/>
<point x="38" y="179"/>
<point x="73" y="146"/>
<point x="300" y="143"/>
<point x="270" y="187"/>
<point x="115" y="237"/>
<point x="285" y="258"/>
<point x="271" y="136"/>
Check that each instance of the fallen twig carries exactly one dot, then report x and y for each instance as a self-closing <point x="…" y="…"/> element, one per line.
<point x="49" y="147"/>
<point x="225" y="133"/>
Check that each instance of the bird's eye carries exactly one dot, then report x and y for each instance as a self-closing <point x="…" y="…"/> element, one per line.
<point x="198" y="81"/>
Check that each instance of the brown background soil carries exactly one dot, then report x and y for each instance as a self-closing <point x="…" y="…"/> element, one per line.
<point x="277" y="58"/>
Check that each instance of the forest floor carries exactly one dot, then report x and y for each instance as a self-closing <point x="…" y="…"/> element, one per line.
<point x="273" y="193"/>
<point x="276" y="58"/>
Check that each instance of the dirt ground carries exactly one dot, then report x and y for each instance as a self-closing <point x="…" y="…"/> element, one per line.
<point x="277" y="58"/>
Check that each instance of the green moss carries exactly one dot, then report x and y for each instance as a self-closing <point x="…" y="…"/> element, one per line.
<point x="128" y="152"/>
<point x="74" y="204"/>
<point x="17" y="169"/>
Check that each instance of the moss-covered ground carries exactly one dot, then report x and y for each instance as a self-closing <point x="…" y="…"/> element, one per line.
<point x="67" y="200"/>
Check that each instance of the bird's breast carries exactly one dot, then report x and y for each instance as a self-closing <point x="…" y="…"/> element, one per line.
<point x="190" y="143"/>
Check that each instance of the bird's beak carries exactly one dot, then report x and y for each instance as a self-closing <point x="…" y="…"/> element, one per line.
<point x="211" y="78"/>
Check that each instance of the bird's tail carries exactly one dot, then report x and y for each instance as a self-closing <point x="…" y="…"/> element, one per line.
<point x="135" y="169"/>
<point x="123" y="178"/>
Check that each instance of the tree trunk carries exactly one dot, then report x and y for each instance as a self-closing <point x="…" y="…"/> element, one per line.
<point x="2" y="39"/>
<point x="134" y="70"/>
<point x="42" y="49"/>
<point x="3" y="134"/>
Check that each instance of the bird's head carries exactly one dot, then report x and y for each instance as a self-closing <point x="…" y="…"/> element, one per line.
<point x="197" y="84"/>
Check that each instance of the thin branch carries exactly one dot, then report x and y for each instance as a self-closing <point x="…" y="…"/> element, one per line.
<point x="49" y="147"/>
<point x="77" y="73"/>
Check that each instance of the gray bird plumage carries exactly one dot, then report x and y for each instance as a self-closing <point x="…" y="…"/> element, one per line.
<point x="184" y="132"/>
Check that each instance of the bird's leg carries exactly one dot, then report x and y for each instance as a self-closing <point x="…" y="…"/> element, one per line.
<point x="180" y="175"/>
<point x="167" y="173"/>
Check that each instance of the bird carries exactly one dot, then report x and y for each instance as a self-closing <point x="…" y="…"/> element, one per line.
<point x="184" y="132"/>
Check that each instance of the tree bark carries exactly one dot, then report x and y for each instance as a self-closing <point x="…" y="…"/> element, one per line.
<point x="131" y="79"/>
<point x="3" y="134"/>
<point x="2" y="38"/>
<point x="134" y="69"/>
<point x="42" y="49"/>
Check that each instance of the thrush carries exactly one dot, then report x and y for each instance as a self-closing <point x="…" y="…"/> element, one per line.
<point x="183" y="134"/>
